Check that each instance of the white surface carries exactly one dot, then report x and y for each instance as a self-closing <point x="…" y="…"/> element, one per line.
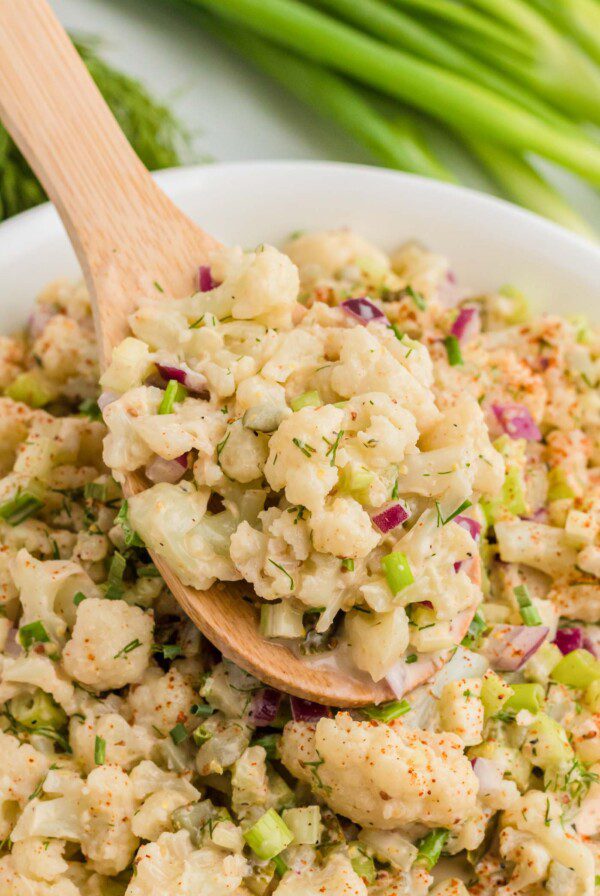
<point x="234" y="112"/>
<point x="489" y="242"/>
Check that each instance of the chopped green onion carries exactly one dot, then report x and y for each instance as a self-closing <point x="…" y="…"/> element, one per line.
<point x="284" y="571"/>
<point x="440" y="519"/>
<point x="306" y="449"/>
<point x="174" y="393"/>
<point x="525" y="696"/>
<point x="577" y="669"/>
<point x="179" y="733"/>
<point x="201" y="709"/>
<point x="362" y="864"/>
<point x="529" y="614"/>
<point x="416" y="297"/>
<point x="169" y="651"/>
<point x="96" y="491"/>
<point x="133" y="645"/>
<point x="397" y="571"/>
<point x="33" y="633"/>
<point x="348" y="563"/>
<point x="99" y="750"/>
<point x="269" y="836"/>
<point x="281" y="620"/>
<point x="269" y="743"/>
<point x="388" y="711"/>
<point x="411" y="658"/>
<point x="453" y="351"/>
<point x="79" y="597"/>
<point x="430" y="848"/>
<point x="114" y="581"/>
<point x="280" y="866"/>
<point x="37" y="710"/>
<point x="130" y="536"/>
<point x="200" y="735"/>
<point x="89" y="408"/>
<point x="494" y="693"/>
<point x="397" y="332"/>
<point x="306" y="400"/>
<point x="18" y="509"/>
<point x="477" y="627"/>
<point x="149" y="571"/>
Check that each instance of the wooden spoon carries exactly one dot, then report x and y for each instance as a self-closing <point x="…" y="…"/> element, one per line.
<point x="128" y="235"/>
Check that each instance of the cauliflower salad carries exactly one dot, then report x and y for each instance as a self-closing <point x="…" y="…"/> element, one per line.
<point x="444" y="500"/>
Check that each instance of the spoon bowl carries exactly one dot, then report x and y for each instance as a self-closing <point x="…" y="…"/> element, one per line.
<point x="128" y="236"/>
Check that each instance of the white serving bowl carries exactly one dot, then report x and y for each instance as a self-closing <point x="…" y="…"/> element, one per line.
<point x="489" y="242"/>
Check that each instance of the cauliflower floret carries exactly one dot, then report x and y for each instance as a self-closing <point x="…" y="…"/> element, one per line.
<point x="124" y="447"/>
<point x="382" y="776"/>
<point x="160" y="325"/>
<point x="546" y="548"/>
<point x="366" y="365"/>
<point x="172" y="520"/>
<point x="23" y="768"/>
<point x="244" y="453"/>
<point x="377" y="640"/>
<point x="250" y="785"/>
<point x="162" y="793"/>
<point x="161" y="700"/>
<point x="39" y="859"/>
<point x="172" y="867"/>
<point x="300" y="455"/>
<point x="110" y="645"/>
<point x="28" y="672"/>
<point x="336" y="878"/>
<point x="461" y="710"/>
<point x="14" y="883"/>
<point x="384" y="430"/>
<point x="325" y="255"/>
<point x="125" y="744"/>
<point x="341" y="527"/>
<point x="576" y="601"/>
<point x="129" y="366"/>
<point x="107" y="808"/>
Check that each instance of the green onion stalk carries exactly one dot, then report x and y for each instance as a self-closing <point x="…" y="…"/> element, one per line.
<point x="521" y="41"/>
<point x="151" y="128"/>
<point x="444" y="95"/>
<point x="578" y="18"/>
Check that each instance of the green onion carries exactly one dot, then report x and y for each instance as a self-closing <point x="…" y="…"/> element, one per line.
<point x="453" y="351"/>
<point x="99" y="750"/>
<point x="348" y="564"/>
<point x="494" y="693"/>
<point x="174" y="393"/>
<point x="32" y="633"/>
<point x="362" y="864"/>
<point x="577" y="669"/>
<point x="89" y="408"/>
<point x="178" y="733"/>
<point x="477" y="627"/>
<point x="201" y="709"/>
<point x="133" y="645"/>
<point x="79" y="597"/>
<point x="416" y="297"/>
<point x="37" y="710"/>
<point x="397" y="571"/>
<point x="269" y="743"/>
<point x="440" y="519"/>
<point x="269" y="836"/>
<point x="130" y="536"/>
<point x="281" y="620"/>
<point x="200" y="735"/>
<point x="280" y="866"/>
<point x="114" y="581"/>
<point x="169" y="651"/>
<point x="306" y="400"/>
<point x="525" y="696"/>
<point x="388" y="711"/>
<point x="430" y="848"/>
<point x="529" y="614"/>
<point x="96" y="491"/>
<point x="21" y="507"/>
<point x="450" y="97"/>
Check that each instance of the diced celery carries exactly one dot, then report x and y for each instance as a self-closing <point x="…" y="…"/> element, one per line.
<point x="385" y="712"/>
<point x="558" y="486"/>
<point x="37" y="710"/>
<point x="592" y="696"/>
<point x="173" y="394"/>
<point x="281" y="620"/>
<point x="305" y="824"/>
<point x="511" y="499"/>
<point x="547" y="743"/>
<point x="99" y="750"/>
<point x="577" y="669"/>
<point x="362" y="864"/>
<point x="397" y="571"/>
<point x="355" y="481"/>
<point x="430" y="848"/>
<point x="525" y="696"/>
<point x="269" y="836"/>
<point x="529" y="613"/>
<point x="521" y="311"/>
<point x="494" y="693"/>
<point x="31" y="389"/>
<point x="306" y="400"/>
<point x="539" y="667"/>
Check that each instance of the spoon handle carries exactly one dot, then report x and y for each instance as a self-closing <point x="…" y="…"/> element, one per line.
<point x="125" y="231"/>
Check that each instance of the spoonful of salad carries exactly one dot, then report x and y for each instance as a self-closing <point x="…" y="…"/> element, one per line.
<point x="300" y="488"/>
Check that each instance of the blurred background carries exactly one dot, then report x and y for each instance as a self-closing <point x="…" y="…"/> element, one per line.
<point x="232" y="111"/>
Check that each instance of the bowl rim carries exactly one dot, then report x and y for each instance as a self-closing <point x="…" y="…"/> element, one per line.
<point x="42" y="216"/>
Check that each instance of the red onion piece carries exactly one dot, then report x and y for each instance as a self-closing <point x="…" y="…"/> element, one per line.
<point x="472" y="526"/>
<point x="205" y="279"/>
<point x="191" y="379"/>
<point x="392" y="516"/>
<point x="396" y="677"/>
<point x="458" y="565"/>
<point x="12" y="648"/>
<point x="517" y="422"/>
<point x="363" y="310"/>
<point x="265" y="706"/>
<point x="489" y="775"/>
<point x="307" y="711"/>
<point x="39" y="319"/>
<point x="466" y="325"/>
<point x="508" y="647"/>
<point x="161" y="470"/>
<point x="106" y="398"/>
<point x="569" y="639"/>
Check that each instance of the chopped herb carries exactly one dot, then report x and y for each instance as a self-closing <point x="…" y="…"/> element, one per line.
<point x="476" y="628"/>
<point x="130" y="536"/>
<point x="173" y="394"/>
<point x="314" y="767"/>
<point x="453" y="351"/>
<point x="89" y="408"/>
<point x="33" y="633"/>
<point x="222" y="444"/>
<point x="114" y="582"/>
<point x="388" y="711"/>
<point x="169" y="651"/>
<point x="21" y="507"/>
<point x="79" y="597"/>
<point x="430" y="848"/>
<point x="158" y="286"/>
<point x="306" y="449"/>
<point x="397" y="332"/>
<point x="416" y="297"/>
<point x="96" y="491"/>
<point x="440" y="519"/>
<point x="55" y="550"/>
<point x="411" y="658"/>
<point x="395" y="490"/>
<point x="284" y="571"/>
<point x="196" y="323"/>
<point x="348" y="563"/>
<point x="99" y="750"/>
<point x="128" y="648"/>
<point x="334" y="448"/>
<point x="149" y="571"/>
<point x="178" y="733"/>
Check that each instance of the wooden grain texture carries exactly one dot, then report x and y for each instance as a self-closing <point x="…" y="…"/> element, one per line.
<point x="128" y="235"/>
